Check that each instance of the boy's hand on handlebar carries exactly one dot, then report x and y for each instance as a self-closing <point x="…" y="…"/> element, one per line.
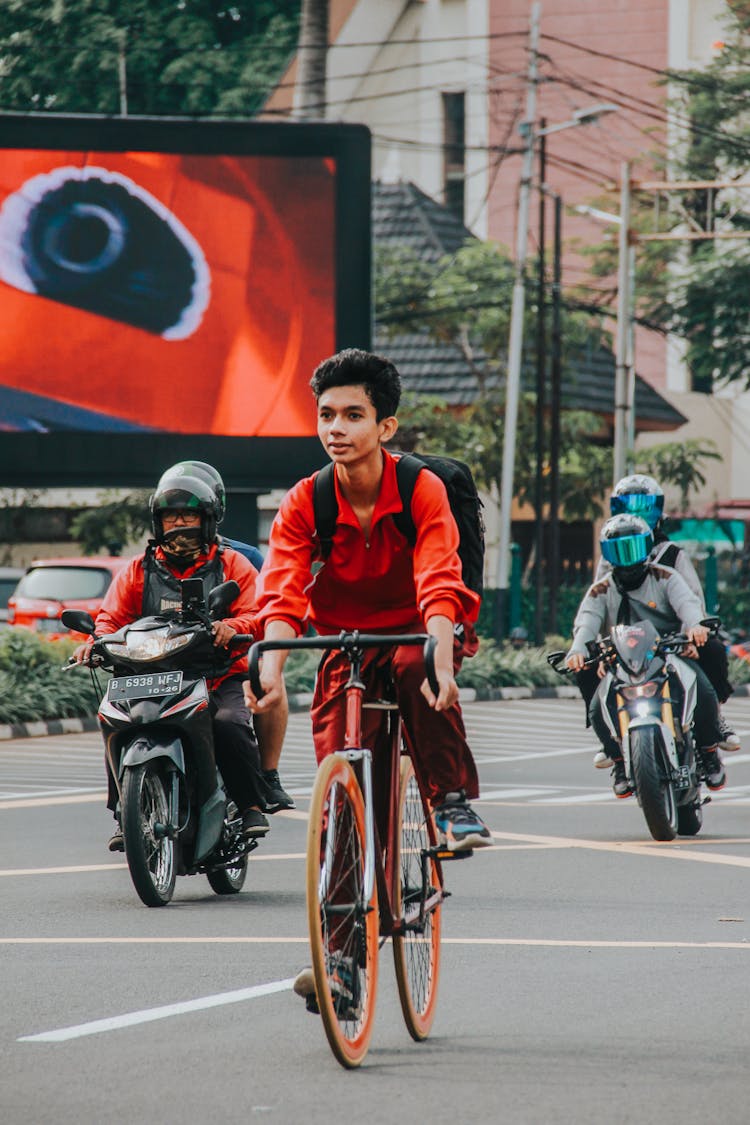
<point x="448" y="694"/>
<point x="222" y="632"/>
<point x="575" y="661"/>
<point x="273" y="691"/>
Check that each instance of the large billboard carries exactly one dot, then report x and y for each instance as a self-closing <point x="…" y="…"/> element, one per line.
<point x="168" y="286"/>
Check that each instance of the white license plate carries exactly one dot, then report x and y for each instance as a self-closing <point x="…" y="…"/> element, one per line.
<point x="156" y="684"/>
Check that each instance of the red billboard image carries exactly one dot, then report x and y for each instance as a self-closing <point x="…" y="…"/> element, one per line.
<point x="151" y="291"/>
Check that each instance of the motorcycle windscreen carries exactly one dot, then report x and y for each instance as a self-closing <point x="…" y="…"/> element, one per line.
<point x="636" y="645"/>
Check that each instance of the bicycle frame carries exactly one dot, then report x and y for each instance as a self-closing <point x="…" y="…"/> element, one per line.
<point x="379" y="856"/>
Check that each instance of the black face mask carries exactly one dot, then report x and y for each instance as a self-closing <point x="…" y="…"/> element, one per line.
<point x="630" y="577"/>
<point x="182" y="546"/>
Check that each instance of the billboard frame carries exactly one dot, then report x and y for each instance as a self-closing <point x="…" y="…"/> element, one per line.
<point x="254" y="464"/>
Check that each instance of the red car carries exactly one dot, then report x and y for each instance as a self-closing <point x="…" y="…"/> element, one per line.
<point x="51" y="585"/>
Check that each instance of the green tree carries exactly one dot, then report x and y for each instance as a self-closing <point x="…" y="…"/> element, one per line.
<point x="115" y="522"/>
<point x="464" y="300"/>
<point x="159" y="57"/>
<point x="708" y="306"/>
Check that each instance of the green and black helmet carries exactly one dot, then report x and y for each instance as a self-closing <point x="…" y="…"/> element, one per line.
<point x="205" y="472"/>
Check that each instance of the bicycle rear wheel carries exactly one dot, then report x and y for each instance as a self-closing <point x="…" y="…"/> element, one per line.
<point x="416" y="951"/>
<point x="344" y="927"/>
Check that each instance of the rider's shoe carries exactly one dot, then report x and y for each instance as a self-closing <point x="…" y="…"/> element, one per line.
<point x="341" y="978"/>
<point x="620" y="785"/>
<point x="459" y="827"/>
<point x="116" y="840"/>
<point x="602" y="761"/>
<point x="276" y="796"/>
<point x="715" y="773"/>
<point x="254" y="823"/>
<point x="729" y="739"/>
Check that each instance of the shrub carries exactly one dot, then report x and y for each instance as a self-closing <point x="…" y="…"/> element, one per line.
<point x="33" y="684"/>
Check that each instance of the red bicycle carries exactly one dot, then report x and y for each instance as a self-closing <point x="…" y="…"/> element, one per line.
<point x="373" y="863"/>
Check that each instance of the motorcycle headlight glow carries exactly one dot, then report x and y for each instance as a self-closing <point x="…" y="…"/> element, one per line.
<point x="154" y="645"/>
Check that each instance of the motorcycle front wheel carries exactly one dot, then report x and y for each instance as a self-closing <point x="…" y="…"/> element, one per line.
<point x="150" y="854"/>
<point x="655" y="792"/>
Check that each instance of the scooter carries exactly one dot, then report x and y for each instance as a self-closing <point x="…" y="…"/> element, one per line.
<point x="176" y="816"/>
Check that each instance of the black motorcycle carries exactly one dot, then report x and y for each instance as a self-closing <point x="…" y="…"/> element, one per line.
<point x="154" y="713"/>
<point x="655" y="697"/>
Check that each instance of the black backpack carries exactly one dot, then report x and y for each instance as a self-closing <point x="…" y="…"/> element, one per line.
<point x="462" y="495"/>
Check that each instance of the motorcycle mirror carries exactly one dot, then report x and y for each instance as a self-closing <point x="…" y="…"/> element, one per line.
<point x="221" y="597"/>
<point x="78" y="620"/>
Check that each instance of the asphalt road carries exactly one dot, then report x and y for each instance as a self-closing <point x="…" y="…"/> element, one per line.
<point x="589" y="974"/>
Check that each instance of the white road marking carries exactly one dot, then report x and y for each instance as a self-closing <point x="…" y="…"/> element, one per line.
<point x="148" y="1015"/>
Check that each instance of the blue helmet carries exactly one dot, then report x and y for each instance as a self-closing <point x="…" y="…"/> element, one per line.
<point x="626" y="540"/>
<point x="640" y="496"/>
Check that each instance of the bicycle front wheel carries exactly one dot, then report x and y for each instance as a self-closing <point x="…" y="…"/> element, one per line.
<point x="343" y="926"/>
<point x="418" y="906"/>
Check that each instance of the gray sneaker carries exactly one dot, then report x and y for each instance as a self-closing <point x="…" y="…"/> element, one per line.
<point x="729" y="740"/>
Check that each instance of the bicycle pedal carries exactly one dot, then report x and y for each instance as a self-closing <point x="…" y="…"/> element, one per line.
<point x="445" y="855"/>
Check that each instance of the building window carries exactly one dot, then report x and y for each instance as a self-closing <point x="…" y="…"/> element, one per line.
<point x="454" y="154"/>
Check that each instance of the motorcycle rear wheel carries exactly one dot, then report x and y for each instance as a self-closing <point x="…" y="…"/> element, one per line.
<point x="151" y="857"/>
<point x="228" y="880"/>
<point x="655" y="793"/>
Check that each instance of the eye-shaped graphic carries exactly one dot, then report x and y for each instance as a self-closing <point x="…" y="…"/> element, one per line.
<point x="94" y="239"/>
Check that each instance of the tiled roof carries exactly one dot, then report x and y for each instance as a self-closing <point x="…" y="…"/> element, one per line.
<point x="404" y="215"/>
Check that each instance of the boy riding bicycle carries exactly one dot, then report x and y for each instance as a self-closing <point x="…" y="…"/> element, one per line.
<point x="372" y="579"/>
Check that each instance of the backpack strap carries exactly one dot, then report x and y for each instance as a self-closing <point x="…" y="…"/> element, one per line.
<point x="325" y="505"/>
<point x="325" y="508"/>
<point x="668" y="556"/>
<point x="408" y="468"/>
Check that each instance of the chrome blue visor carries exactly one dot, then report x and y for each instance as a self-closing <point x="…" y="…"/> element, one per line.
<point x="628" y="550"/>
<point x="644" y="504"/>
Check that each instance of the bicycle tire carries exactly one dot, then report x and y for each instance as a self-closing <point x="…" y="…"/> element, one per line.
<point x="341" y="924"/>
<point x="416" y="955"/>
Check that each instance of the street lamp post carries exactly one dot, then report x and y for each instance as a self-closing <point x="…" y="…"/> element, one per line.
<point x="515" y="341"/>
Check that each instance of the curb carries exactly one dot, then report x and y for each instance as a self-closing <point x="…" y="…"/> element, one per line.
<point x="301" y="701"/>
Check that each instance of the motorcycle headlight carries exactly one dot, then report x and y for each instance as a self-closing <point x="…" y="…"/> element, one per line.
<point x="154" y="645"/>
<point x="640" y="691"/>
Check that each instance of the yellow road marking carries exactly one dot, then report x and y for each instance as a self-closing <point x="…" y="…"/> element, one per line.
<point x="42" y="802"/>
<point x="77" y="869"/>
<point x="666" y="850"/>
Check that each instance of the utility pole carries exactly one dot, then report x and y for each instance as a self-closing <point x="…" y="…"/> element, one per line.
<point x="310" y="91"/>
<point x="122" y="72"/>
<point x="541" y="363"/>
<point x="621" y="411"/>
<point x="515" y="343"/>
<point x="553" y="570"/>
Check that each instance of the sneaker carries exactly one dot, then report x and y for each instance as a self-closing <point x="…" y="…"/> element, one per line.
<point x="714" y="770"/>
<point x="254" y="823"/>
<point x="602" y="761"/>
<point x="116" y="840"/>
<point x="729" y="740"/>
<point x="620" y="785"/>
<point x="459" y="827"/>
<point x="341" y="978"/>
<point x="276" y="796"/>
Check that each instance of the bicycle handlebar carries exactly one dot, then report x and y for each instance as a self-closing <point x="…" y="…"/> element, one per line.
<point x="349" y="643"/>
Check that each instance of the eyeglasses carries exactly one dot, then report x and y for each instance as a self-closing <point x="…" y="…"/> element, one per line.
<point x="170" y="519"/>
